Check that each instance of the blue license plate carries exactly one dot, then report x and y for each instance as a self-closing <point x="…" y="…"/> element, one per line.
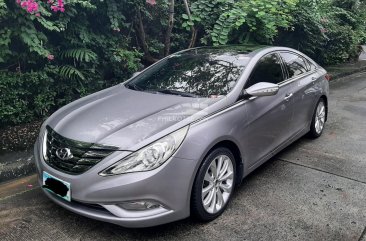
<point x="57" y="186"/>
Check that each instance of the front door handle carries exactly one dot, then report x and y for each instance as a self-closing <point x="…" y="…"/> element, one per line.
<point x="288" y="97"/>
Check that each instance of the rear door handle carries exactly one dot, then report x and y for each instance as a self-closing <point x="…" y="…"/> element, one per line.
<point x="288" y="97"/>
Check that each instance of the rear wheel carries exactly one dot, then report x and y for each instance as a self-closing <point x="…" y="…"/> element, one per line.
<point x="318" y="121"/>
<point x="214" y="185"/>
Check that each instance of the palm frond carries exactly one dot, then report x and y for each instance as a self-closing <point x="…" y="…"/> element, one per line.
<point x="80" y="55"/>
<point x="70" y="72"/>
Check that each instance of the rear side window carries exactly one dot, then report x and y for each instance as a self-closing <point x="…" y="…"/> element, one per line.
<point x="294" y="63"/>
<point x="311" y="65"/>
<point x="268" y="69"/>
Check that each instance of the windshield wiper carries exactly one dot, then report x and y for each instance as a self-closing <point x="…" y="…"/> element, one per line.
<point x="163" y="91"/>
<point x="177" y="92"/>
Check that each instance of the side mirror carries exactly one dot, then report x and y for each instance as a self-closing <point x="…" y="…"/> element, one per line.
<point x="136" y="73"/>
<point x="261" y="89"/>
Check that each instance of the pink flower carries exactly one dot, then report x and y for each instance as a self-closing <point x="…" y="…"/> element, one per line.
<point x="60" y="3"/>
<point x="151" y="2"/>
<point x="32" y="7"/>
<point x="50" y="57"/>
<point x="38" y="14"/>
<point x="29" y="5"/>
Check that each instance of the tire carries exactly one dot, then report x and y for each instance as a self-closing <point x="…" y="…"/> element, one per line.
<point x="318" y="119"/>
<point x="212" y="183"/>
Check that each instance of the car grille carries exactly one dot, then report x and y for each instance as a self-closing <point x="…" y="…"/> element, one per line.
<point x="83" y="155"/>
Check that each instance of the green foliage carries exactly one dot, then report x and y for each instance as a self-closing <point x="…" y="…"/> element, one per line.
<point x="80" y="55"/>
<point x="70" y="72"/>
<point x="55" y="58"/>
<point x="262" y="17"/>
<point x="87" y="48"/>
<point x="115" y="17"/>
<point x="128" y="59"/>
<point x="231" y="21"/>
<point x="328" y="31"/>
<point x="24" y="97"/>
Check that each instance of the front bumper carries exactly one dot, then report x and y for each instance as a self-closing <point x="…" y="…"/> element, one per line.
<point x="96" y="197"/>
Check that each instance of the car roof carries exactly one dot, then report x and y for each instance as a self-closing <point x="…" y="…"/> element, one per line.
<point x="248" y="49"/>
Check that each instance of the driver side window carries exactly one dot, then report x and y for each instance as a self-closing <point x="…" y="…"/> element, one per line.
<point x="268" y="69"/>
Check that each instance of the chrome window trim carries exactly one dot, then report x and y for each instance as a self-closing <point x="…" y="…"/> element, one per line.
<point x="236" y="104"/>
<point x="288" y="81"/>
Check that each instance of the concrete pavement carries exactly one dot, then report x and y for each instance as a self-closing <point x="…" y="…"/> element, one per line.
<point x="314" y="190"/>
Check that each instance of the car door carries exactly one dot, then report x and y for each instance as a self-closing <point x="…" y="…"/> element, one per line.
<point x="267" y="117"/>
<point x="304" y="76"/>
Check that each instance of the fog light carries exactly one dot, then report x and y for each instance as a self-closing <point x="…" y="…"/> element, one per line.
<point x="140" y="205"/>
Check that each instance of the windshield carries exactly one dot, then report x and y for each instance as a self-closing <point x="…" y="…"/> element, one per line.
<point x="193" y="74"/>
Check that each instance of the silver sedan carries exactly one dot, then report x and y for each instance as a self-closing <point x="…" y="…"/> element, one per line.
<point x="175" y="139"/>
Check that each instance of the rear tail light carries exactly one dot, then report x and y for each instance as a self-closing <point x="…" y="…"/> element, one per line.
<point x="328" y="77"/>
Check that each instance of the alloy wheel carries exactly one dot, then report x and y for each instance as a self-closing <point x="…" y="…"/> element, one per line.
<point x="320" y="117"/>
<point x="217" y="184"/>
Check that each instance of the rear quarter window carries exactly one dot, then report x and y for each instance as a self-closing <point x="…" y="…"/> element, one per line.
<point x="312" y="66"/>
<point x="294" y="64"/>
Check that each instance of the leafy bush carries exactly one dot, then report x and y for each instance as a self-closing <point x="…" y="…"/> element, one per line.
<point x="52" y="54"/>
<point x="54" y="58"/>
<point x="233" y="21"/>
<point x="25" y="97"/>
<point x="328" y="31"/>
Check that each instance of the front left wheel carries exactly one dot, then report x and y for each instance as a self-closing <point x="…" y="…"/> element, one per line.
<point x="213" y="185"/>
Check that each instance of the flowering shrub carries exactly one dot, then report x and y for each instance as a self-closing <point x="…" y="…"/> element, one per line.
<point x="47" y="61"/>
<point x="57" y="7"/>
<point x="32" y="7"/>
<point x="29" y="5"/>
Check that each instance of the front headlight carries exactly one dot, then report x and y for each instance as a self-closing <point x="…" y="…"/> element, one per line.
<point x="149" y="157"/>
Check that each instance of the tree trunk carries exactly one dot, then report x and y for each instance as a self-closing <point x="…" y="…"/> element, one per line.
<point x="170" y="28"/>
<point x="142" y="39"/>
<point x="193" y="38"/>
<point x="193" y="30"/>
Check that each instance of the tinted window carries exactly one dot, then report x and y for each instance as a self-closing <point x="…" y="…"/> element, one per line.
<point x="268" y="69"/>
<point x="294" y="63"/>
<point x="193" y="74"/>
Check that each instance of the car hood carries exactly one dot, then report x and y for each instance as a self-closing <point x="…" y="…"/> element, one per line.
<point x="122" y="117"/>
